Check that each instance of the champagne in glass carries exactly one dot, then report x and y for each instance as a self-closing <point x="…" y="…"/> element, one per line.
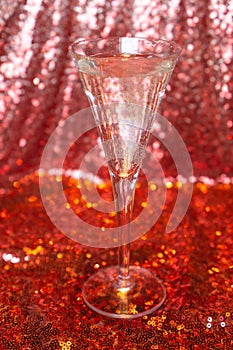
<point x="124" y="79"/>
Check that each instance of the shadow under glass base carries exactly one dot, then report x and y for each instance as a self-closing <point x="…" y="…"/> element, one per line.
<point x="145" y="294"/>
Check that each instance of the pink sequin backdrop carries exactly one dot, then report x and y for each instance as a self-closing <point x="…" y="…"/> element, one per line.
<point x="40" y="85"/>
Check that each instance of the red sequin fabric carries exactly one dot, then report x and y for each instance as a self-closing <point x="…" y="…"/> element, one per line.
<point x="42" y="271"/>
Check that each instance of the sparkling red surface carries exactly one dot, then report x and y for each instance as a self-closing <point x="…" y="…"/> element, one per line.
<point x="42" y="271"/>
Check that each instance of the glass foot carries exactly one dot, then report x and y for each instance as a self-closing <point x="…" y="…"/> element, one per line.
<point x="145" y="293"/>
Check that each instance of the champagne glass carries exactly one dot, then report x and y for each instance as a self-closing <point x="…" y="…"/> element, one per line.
<point x="124" y="79"/>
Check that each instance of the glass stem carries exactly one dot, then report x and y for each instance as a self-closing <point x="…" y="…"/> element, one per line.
<point x="123" y="191"/>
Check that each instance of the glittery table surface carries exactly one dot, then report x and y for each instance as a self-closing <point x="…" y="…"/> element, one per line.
<point x="42" y="271"/>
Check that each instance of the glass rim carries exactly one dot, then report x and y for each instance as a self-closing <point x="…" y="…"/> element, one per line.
<point x="175" y="48"/>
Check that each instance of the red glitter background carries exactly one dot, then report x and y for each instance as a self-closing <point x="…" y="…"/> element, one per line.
<point x="42" y="271"/>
